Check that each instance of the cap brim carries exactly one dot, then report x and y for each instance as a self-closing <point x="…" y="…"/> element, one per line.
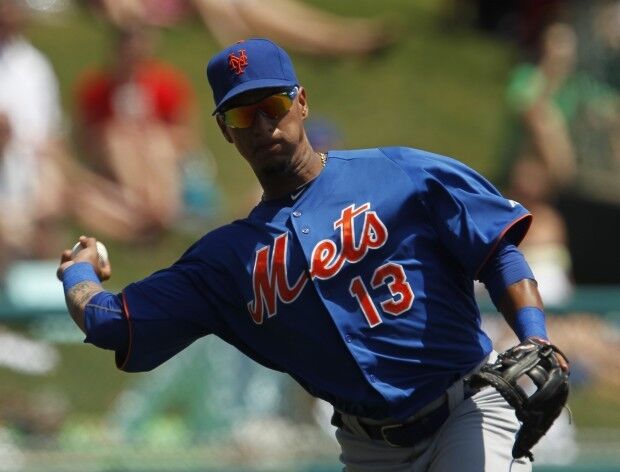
<point x="252" y="85"/>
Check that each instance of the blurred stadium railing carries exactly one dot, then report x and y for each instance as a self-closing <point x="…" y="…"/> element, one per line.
<point x="64" y="407"/>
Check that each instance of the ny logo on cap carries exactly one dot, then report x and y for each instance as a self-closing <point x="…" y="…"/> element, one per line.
<point x="238" y="63"/>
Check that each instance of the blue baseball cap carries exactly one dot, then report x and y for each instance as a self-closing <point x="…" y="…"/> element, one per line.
<point x="251" y="64"/>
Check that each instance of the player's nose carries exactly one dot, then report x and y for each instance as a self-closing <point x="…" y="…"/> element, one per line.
<point x="262" y="123"/>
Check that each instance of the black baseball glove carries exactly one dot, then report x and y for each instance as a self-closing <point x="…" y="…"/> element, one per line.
<point x="536" y="412"/>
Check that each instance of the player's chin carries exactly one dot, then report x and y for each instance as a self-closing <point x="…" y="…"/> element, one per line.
<point x="271" y="150"/>
<point x="274" y="158"/>
<point x="276" y="167"/>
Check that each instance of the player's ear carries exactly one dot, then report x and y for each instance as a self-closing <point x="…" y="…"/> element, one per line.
<point x="223" y="128"/>
<point x="303" y="102"/>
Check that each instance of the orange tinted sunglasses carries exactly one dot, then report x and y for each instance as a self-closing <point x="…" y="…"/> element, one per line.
<point x="275" y="106"/>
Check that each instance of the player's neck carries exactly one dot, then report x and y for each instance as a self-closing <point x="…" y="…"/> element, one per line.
<point x="301" y="169"/>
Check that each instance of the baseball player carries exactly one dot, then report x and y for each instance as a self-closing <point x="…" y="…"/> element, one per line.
<point x="354" y="275"/>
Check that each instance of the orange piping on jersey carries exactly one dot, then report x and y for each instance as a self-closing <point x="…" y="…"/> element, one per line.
<point x="129" y="346"/>
<point x="501" y="236"/>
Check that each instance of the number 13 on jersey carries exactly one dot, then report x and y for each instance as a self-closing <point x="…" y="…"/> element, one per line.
<point x="392" y="275"/>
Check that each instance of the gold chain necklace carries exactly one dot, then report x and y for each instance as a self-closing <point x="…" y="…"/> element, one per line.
<point x="323" y="157"/>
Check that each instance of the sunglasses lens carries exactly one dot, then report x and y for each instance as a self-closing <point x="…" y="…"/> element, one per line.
<point x="274" y="107"/>
<point x="240" y="117"/>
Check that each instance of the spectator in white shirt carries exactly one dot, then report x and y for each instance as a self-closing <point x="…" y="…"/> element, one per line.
<point x="30" y="123"/>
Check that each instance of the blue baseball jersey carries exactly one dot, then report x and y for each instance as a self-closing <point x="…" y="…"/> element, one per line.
<point x="360" y="287"/>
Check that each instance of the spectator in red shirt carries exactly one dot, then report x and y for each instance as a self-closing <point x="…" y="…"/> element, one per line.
<point x="136" y="86"/>
<point x="134" y="127"/>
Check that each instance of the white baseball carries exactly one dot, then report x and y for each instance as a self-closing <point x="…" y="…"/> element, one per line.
<point x="102" y="252"/>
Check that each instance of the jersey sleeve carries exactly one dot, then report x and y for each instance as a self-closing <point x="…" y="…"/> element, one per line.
<point x="469" y="214"/>
<point x="168" y="311"/>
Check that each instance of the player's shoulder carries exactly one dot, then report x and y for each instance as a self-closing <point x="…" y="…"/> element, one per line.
<point x="418" y="164"/>
<point x="221" y="244"/>
<point x="400" y="155"/>
<point x="421" y="158"/>
<point x="356" y="154"/>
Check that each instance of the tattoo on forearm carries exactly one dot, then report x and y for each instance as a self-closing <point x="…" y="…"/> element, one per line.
<point x="78" y="296"/>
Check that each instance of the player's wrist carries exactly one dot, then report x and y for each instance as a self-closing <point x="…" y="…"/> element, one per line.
<point x="530" y="324"/>
<point x="76" y="273"/>
<point x="61" y="269"/>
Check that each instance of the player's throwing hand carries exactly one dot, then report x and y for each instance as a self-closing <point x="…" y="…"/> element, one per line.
<point x="87" y="249"/>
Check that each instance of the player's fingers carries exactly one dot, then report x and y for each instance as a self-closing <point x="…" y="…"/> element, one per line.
<point x="564" y="365"/>
<point x="83" y="241"/>
<point x="105" y="271"/>
<point x="87" y="241"/>
<point x="562" y="361"/>
<point x="87" y="252"/>
<point x="65" y="256"/>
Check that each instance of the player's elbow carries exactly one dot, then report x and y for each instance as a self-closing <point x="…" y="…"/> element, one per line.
<point x="105" y="324"/>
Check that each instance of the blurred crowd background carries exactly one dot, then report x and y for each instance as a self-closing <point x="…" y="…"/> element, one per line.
<point x="106" y="130"/>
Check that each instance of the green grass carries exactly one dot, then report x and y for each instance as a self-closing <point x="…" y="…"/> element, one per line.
<point x="86" y="380"/>
<point x="593" y="409"/>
